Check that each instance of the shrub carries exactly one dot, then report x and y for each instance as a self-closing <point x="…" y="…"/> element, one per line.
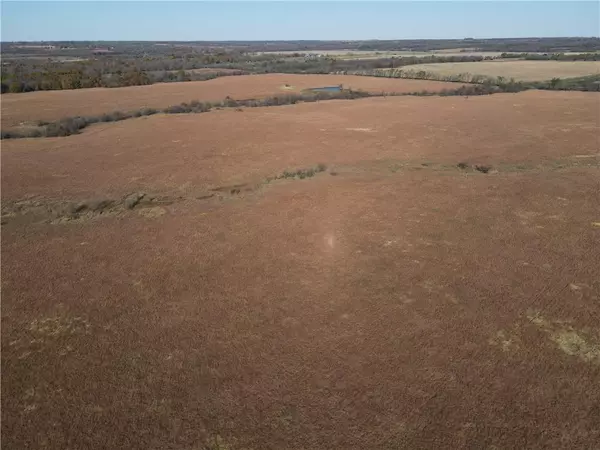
<point x="203" y="107"/>
<point x="35" y="133"/>
<point x="107" y="118"/>
<point x="482" y="168"/>
<point x="65" y="127"/>
<point x="230" y="103"/>
<point x="301" y="173"/>
<point x="148" y="111"/>
<point x="176" y="109"/>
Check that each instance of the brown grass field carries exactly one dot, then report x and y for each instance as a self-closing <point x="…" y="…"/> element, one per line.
<point x="54" y="105"/>
<point x="393" y="301"/>
<point x="519" y="70"/>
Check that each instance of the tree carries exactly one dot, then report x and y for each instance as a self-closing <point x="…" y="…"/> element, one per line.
<point x="15" y="86"/>
<point x="182" y="75"/>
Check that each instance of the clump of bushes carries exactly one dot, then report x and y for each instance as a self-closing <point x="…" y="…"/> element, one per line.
<point x="585" y="83"/>
<point x="300" y="173"/>
<point x="148" y="111"/>
<point x="194" y="106"/>
<point x="28" y="133"/>
<point x="66" y="127"/>
<point x="478" y="167"/>
<point x="177" y="109"/>
<point x="482" y="168"/>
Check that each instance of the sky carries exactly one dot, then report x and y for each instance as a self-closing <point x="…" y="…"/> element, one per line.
<point x="289" y="20"/>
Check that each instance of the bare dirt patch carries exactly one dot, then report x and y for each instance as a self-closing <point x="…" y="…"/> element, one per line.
<point x="55" y="105"/>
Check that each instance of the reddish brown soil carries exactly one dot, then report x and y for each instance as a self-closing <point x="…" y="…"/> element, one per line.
<point x="375" y="309"/>
<point x="54" y="105"/>
<point x="182" y="152"/>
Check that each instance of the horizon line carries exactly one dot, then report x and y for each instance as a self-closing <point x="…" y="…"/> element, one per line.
<point x="305" y="40"/>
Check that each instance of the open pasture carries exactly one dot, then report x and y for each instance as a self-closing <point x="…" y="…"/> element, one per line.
<point x="520" y="70"/>
<point x="25" y="108"/>
<point x="383" y="273"/>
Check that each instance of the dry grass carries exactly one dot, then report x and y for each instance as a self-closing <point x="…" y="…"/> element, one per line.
<point x="169" y="151"/>
<point x="370" y="310"/>
<point x="289" y="320"/>
<point x="55" y="105"/>
<point x="519" y="70"/>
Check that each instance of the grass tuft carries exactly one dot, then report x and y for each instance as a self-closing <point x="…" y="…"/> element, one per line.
<point x="300" y="173"/>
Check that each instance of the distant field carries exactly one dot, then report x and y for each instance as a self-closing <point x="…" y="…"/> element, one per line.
<point x="519" y="70"/>
<point x="377" y="55"/>
<point x="370" y="54"/>
<point x="207" y="70"/>
<point x="48" y="57"/>
<point x="54" y="105"/>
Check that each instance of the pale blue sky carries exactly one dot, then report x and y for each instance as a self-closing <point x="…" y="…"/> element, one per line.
<point x="223" y="20"/>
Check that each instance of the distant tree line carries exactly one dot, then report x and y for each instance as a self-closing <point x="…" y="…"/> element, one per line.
<point x="142" y="63"/>
<point x="161" y="48"/>
<point x="554" y="56"/>
<point x="78" y="79"/>
<point x="26" y="75"/>
<point x="111" y="71"/>
<point x="332" y="65"/>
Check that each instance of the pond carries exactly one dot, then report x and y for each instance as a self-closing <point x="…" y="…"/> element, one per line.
<point x="327" y="89"/>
